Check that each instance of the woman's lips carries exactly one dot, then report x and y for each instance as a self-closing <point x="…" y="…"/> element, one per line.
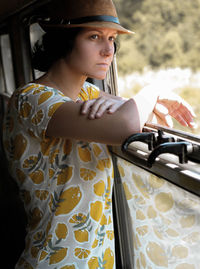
<point x="103" y="65"/>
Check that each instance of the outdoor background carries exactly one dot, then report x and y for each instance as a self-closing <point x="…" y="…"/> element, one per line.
<point x="165" y="48"/>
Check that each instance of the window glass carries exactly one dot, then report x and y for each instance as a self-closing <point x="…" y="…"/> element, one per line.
<point x="2" y="78"/>
<point x="36" y="33"/>
<point x="163" y="220"/>
<point x="164" y="49"/>
<point x="7" y="84"/>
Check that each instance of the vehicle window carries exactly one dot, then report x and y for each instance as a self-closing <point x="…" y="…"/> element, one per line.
<point x="163" y="218"/>
<point x="164" y="49"/>
<point x="7" y="82"/>
<point x="35" y="33"/>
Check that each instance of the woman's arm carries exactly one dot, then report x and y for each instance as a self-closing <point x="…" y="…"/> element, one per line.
<point x="164" y="106"/>
<point x="109" y="129"/>
<point x="104" y="103"/>
<point x="129" y="116"/>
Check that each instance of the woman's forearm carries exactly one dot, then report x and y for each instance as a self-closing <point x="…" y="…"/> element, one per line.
<point x="145" y="101"/>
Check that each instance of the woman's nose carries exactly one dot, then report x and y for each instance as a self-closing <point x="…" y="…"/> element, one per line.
<point x="108" y="49"/>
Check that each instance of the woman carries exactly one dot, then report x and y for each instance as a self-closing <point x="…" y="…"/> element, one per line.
<point x="55" y="136"/>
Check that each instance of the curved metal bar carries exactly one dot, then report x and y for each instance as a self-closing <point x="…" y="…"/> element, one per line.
<point x="142" y="137"/>
<point x="181" y="149"/>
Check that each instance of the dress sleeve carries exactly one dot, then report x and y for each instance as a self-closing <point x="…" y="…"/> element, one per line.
<point x="36" y="105"/>
<point x="89" y="91"/>
<point x="93" y="91"/>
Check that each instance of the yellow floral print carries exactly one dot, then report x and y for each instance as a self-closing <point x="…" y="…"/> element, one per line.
<point x="25" y="110"/>
<point x="84" y="154"/>
<point x="37" y="176"/>
<point x="44" y="97"/>
<point x="42" y="194"/>
<point x="81" y="253"/>
<point x="61" y="231"/>
<point x="37" y="118"/>
<point x="97" y="150"/>
<point x="69" y="199"/>
<point x="99" y="188"/>
<point x="64" y="176"/>
<point x="87" y="174"/>
<point x="78" y="218"/>
<point x="81" y="235"/>
<point x="66" y="185"/>
<point x="105" y="163"/>
<point x="58" y="256"/>
<point x="20" y="144"/>
<point x="96" y="210"/>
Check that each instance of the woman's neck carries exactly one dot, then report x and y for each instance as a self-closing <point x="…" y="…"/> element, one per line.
<point x="61" y="77"/>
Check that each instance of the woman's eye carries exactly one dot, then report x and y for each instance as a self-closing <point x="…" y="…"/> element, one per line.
<point x="94" y="37"/>
<point x="112" y="38"/>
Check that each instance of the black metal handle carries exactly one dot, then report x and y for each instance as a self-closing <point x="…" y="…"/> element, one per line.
<point x="163" y="138"/>
<point x="148" y="138"/>
<point x="181" y="149"/>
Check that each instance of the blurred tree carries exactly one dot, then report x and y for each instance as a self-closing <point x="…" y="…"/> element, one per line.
<point x="130" y="58"/>
<point x="167" y="34"/>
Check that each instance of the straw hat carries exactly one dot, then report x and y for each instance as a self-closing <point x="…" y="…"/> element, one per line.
<point x="81" y="13"/>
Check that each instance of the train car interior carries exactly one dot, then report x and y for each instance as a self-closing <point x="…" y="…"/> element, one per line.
<point x="157" y="173"/>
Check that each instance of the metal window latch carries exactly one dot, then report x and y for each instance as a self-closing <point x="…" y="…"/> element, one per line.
<point x="160" y="143"/>
<point x="180" y="149"/>
<point x="148" y="138"/>
<point x="163" y="138"/>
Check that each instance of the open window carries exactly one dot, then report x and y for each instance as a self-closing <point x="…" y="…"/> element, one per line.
<point x="164" y="49"/>
<point x="7" y="82"/>
<point x="157" y="172"/>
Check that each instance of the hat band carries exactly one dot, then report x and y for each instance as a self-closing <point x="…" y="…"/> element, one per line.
<point x="104" y="18"/>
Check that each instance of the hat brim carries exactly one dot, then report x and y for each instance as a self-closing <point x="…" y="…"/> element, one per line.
<point x="98" y="24"/>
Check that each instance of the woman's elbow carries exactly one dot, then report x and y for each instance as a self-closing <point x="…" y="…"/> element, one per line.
<point x="132" y="126"/>
<point x="131" y="119"/>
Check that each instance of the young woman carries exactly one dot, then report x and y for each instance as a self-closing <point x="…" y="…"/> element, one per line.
<point x="55" y="135"/>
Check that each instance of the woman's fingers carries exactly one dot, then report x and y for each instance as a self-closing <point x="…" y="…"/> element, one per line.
<point x="162" y="116"/>
<point x="179" y="110"/>
<point x="165" y="121"/>
<point x="184" y="115"/>
<point x="95" y="108"/>
<point x="114" y="107"/>
<point x="99" y="109"/>
<point x="85" y="108"/>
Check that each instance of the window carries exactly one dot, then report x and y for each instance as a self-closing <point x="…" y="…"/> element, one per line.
<point x="35" y="33"/>
<point x="162" y="200"/>
<point x="164" y="49"/>
<point x="7" y="82"/>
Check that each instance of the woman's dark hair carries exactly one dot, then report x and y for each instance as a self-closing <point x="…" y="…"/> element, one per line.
<point x="53" y="45"/>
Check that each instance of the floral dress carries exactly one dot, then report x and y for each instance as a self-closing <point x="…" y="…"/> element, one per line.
<point x="65" y="184"/>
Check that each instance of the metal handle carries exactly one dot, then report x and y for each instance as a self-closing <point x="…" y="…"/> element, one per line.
<point x="180" y="149"/>
<point x="148" y="138"/>
<point x="163" y="138"/>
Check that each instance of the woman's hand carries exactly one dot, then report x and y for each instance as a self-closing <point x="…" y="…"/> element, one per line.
<point x="106" y="103"/>
<point x="174" y="106"/>
<point x="160" y="116"/>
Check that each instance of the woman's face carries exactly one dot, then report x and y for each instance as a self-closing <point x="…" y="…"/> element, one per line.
<point x="93" y="52"/>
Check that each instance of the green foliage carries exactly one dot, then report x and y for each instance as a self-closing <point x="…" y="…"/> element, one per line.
<point x="167" y="34"/>
<point x="129" y="58"/>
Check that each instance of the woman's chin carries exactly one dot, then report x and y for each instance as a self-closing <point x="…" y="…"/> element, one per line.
<point x="98" y="76"/>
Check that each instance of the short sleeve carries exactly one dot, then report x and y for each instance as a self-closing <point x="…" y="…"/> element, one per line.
<point x="93" y="91"/>
<point x="89" y="91"/>
<point x="36" y="104"/>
